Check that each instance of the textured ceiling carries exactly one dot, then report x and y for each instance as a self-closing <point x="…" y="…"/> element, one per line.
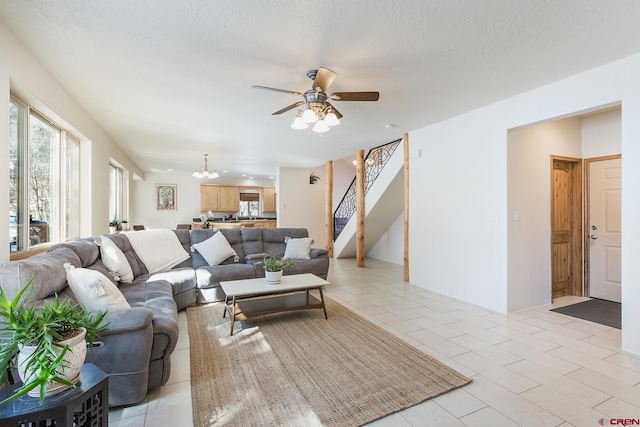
<point x="169" y="80"/>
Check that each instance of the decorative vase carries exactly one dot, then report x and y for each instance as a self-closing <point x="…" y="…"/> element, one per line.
<point x="112" y="229"/>
<point x="69" y="369"/>
<point x="273" y="277"/>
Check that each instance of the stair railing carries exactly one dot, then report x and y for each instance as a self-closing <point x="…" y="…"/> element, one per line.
<point x="374" y="162"/>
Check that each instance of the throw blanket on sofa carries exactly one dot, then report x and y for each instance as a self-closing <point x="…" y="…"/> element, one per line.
<point x="158" y="249"/>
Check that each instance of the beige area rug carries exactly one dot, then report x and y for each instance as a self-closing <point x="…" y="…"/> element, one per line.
<point x="298" y="369"/>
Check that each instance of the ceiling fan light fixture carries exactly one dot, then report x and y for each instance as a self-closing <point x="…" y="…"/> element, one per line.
<point x="331" y="119"/>
<point x="299" y="123"/>
<point x="309" y="116"/>
<point x="320" y="127"/>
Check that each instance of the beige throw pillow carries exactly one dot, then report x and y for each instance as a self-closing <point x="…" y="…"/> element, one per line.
<point x="94" y="290"/>
<point x="215" y="249"/>
<point x="115" y="260"/>
<point x="297" y="248"/>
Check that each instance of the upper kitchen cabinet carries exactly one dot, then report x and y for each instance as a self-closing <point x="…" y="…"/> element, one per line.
<point x="218" y="198"/>
<point x="209" y="198"/>
<point x="268" y="199"/>
<point x="229" y="199"/>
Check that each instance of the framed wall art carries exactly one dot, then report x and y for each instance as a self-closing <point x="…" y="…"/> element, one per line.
<point x="166" y="197"/>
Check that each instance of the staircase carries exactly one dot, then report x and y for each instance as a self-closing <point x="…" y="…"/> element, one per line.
<point x="383" y="203"/>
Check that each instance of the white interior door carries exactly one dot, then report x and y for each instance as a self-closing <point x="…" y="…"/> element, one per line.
<point x="605" y="230"/>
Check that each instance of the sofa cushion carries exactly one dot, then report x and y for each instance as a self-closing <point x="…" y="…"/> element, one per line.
<point x="86" y="249"/>
<point x="215" y="249"/>
<point x="297" y="248"/>
<point x="46" y="269"/>
<point x="94" y="290"/>
<point x="157" y="296"/>
<point x="212" y="276"/>
<point x="184" y="236"/>
<point x="115" y="260"/>
<point x="251" y="241"/>
<point x="182" y="280"/>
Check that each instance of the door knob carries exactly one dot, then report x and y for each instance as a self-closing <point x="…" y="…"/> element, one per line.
<point x="594" y="237"/>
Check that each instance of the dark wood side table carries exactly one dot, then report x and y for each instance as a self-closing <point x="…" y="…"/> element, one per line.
<point x="87" y="405"/>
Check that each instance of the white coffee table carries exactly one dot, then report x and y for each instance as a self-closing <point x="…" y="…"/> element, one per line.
<point x="255" y="297"/>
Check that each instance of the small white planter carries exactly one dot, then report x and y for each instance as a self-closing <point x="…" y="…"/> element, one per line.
<point x="73" y="360"/>
<point x="273" y="277"/>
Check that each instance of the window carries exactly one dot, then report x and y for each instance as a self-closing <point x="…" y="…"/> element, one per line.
<point x="44" y="180"/>
<point x="116" y="193"/>
<point x="249" y="204"/>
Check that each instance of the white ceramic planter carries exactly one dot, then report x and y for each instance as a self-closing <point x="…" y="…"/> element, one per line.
<point x="273" y="277"/>
<point x="70" y="369"/>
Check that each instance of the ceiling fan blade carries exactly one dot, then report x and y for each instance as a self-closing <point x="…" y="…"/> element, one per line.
<point x="336" y="112"/>
<point x="290" y="107"/>
<point x="324" y="78"/>
<point x="273" y="89"/>
<point x="355" y="96"/>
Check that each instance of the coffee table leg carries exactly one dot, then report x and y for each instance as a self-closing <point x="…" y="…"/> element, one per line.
<point x="226" y="306"/>
<point x="233" y="314"/>
<point x="324" y="307"/>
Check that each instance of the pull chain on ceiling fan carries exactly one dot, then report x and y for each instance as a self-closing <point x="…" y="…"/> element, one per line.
<point x="318" y="109"/>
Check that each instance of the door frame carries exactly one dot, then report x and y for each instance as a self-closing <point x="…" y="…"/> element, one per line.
<point x="577" y="254"/>
<point x="587" y="219"/>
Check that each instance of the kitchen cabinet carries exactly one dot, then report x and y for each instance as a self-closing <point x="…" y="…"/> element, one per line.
<point x="209" y="198"/>
<point x="218" y="198"/>
<point x="268" y="199"/>
<point x="229" y="199"/>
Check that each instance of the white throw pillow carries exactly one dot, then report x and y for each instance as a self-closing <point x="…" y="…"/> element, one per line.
<point x="94" y="290"/>
<point x="215" y="249"/>
<point x="297" y="248"/>
<point x="115" y="260"/>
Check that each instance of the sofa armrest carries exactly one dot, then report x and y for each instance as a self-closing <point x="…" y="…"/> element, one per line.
<point x="317" y="253"/>
<point x="127" y="320"/>
<point x="253" y="258"/>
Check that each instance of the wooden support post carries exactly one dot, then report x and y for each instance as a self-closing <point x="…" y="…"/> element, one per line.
<point x="360" y="209"/>
<point x="405" y="141"/>
<point x="329" y="207"/>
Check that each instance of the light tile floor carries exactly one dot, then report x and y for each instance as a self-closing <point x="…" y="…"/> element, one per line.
<point x="531" y="368"/>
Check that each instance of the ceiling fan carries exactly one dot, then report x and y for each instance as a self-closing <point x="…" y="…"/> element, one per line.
<point x="318" y="108"/>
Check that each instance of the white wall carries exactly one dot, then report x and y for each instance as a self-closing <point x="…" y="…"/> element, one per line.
<point x="301" y="204"/>
<point x="602" y="134"/>
<point x="529" y="187"/>
<point x="343" y="174"/>
<point x="143" y="210"/>
<point x="390" y="246"/>
<point x="458" y="221"/>
<point x="23" y="75"/>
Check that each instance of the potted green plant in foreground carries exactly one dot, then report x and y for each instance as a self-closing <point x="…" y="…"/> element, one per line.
<point x="273" y="268"/>
<point x="40" y="335"/>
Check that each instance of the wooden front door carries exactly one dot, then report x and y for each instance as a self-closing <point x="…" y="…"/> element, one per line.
<point x="566" y="227"/>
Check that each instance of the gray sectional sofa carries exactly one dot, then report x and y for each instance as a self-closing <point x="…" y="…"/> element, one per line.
<point x="136" y="349"/>
<point x="251" y="244"/>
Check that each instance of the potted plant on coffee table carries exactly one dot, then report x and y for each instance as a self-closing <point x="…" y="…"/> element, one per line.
<point x="49" y="340"/>
<point x="273" y="268"/>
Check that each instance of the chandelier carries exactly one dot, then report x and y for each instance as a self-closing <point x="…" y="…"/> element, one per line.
<point x="204" y="172"/>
